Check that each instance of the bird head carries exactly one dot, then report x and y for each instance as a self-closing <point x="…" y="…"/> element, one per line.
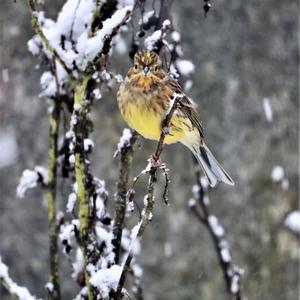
<point x="147" y="64"/>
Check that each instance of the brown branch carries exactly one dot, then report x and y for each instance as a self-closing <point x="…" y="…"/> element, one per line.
<point x="165" y="129"/>
<point x="126" y="157"/>
<point x="149" y="198"/>
<point x="199" y="206"/>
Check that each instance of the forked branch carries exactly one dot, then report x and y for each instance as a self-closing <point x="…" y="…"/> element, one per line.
<point x="147" y="212"/>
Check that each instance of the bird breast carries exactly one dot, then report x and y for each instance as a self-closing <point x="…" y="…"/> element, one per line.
<point x="144" y="112"/>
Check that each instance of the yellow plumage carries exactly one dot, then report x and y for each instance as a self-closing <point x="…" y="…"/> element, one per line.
<point x="144" y="99"/>
<point x="147" y="122"/>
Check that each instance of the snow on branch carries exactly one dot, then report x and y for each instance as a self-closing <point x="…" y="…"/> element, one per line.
<point x="278" y="176"/>
<point x="14" y="289"/>
<point x="37" y="19"/>
<point x="147" y="212"/>
<point x="125" y="141"/>
<point x="70" y="40"/>
<point x="106" y="280"/>
<point x="31" y="178"/>
<point x="89" y="48"/>
<point x="157" y="37"/>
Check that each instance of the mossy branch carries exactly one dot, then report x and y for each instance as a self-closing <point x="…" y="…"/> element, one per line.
<point x="80" y="175"/>
<point x="79" y="97"/>
<point x="54" y="120"/>
<point x="126" y="157"/>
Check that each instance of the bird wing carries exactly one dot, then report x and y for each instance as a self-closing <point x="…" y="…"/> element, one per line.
<point x="186" y="106"/>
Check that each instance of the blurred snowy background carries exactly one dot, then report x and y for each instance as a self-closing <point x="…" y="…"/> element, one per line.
<point x="245" y="83"/>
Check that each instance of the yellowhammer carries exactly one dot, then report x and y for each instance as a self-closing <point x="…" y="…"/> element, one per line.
<point x="144" y="99"/>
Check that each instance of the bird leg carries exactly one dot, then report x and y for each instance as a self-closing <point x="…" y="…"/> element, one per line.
<point x="155" y="161"/>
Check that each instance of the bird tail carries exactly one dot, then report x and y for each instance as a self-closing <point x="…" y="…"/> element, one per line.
<point x="212" y="169"/>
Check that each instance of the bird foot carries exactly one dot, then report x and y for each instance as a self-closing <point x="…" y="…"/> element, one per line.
<point x="165" y="130"/>
<point x="155" y="161"/>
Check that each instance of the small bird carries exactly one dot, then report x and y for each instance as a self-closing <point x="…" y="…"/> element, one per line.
<point x="145" y="97"/>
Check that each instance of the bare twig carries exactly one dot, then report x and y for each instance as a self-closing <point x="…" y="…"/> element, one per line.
<point x="147" y="212"/>
<point x="200" y="207"/>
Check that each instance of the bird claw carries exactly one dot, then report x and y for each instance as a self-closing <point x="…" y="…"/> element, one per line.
<point x="165" y="130"/>
<point x="155" y="161"/>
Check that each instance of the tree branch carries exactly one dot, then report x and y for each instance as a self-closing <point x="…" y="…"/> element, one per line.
<point x="16" y="291"/>
<point x="200" y="207"/>
<point x="54" y="120"/>
<point x="126" y="158"/>
<point x="147" y="212"/>
<point x="36" y="26"/>
<point x="80" y="174"/>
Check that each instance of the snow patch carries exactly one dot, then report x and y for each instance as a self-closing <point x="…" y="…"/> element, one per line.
<point x="234" y="287"/>
<point x="192" y="202"/>
<point x="88" y="145"/>
<point x="277" y="173"/>
<point x="30" y="179"/>
<point x="292" y="221"/>
<point x="268" y="109"/>
<point x="77" y="264"/>
<point x="175" y="36"/>
<point x="106" y="279"/>
<point x="125" y="139"/>
<point x="97" y="94"/>
<point x="185" y="67"/>
<point x="49" y="286"/>
<point x="218" y="230"/>
<point x="21" y="292"/>
<point x="71" y="202"/>
<point x="88" y="48"/>
<point x="225" y="254"/>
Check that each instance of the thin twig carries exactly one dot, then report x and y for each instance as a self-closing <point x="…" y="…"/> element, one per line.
<point x="200" y="207"/>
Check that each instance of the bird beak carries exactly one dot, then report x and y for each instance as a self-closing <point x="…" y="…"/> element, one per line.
<point x="146" y="70"/>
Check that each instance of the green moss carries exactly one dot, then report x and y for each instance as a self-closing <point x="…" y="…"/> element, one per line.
<point x="51" y="201"/>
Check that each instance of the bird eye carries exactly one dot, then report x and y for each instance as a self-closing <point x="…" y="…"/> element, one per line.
<point x="135" y="66"/>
